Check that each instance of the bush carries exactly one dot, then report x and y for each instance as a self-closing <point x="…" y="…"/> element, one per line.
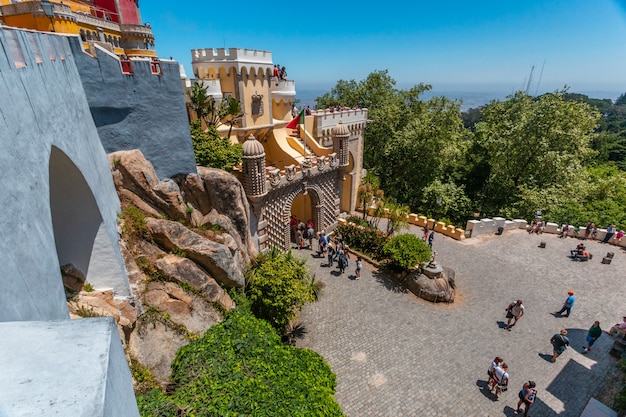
<point x="240" y="367"/>
<point x="406" y="251"/>
<point x="359" y="221"/>
<point x="213" y="151"/>
<point x="366" y="240"/>
<point x="278" y="285"/>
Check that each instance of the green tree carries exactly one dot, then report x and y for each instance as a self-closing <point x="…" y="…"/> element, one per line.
<point x="241" y="368"/>
<point x="211" y="150"/>
<point x="406" y="251"/>
<point x="214" y="113"/>
<point x="533" y="145"/>
<point x="278" y="285"/>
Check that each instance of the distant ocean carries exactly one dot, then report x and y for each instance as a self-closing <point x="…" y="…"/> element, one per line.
<point x="470" y="99"/>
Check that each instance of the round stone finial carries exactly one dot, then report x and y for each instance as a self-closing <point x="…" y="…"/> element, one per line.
<point x="340" y="130"/>
<point x="252" y="147"/>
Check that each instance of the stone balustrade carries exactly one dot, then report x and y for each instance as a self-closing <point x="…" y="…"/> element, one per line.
<point x="421" y="221"/>
<point x="484" y="226"/>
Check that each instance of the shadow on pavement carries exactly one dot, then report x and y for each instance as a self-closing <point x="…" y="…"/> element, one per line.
<point x="388" y="283"/>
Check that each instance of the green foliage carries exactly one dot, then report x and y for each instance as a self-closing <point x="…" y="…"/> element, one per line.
<point x="534" y="145"/>
<point x="446" y="200"/>
<point x="278" y="285"/>
<point x="358" y="221"/>
<point x="86" y="312"/>
<point x="144" y="379"/>
<point x="133" y="224"/>
<point x="213" y="151"/>
<point x="407" y="251"/>
<point x="367" y="240"/>
<point x="88" y="287"/>
<point x="212" y="112"/>
<point x="240" y="367"/>
<point x="179" y="252"/>
<point x="620" y="400"/>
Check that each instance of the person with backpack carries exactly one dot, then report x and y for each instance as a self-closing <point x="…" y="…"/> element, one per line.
<point x="559" y="344"/>
<point x="515" y="310"/>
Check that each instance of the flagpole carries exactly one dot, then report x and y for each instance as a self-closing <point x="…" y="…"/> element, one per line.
<point x="304" y="135"/>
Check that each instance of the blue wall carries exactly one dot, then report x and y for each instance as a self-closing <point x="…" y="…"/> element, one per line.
<point x="141" y="111"/>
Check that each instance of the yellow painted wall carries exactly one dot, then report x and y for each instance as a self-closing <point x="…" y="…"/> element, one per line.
<point x="254" y="84"/>
<point x="281" y="110"/>
<point x="302" y="207"/>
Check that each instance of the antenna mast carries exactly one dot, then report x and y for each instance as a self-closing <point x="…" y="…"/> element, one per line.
<point x="530" y="79"/>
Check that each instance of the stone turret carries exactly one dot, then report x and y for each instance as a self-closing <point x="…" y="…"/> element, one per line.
<point x="341" y="134"/>
<point x="254" y="168"/>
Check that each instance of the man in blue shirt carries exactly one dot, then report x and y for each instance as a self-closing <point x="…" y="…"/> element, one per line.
<point x="567" y="305"/>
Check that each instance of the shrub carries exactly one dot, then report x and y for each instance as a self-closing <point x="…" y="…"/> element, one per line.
<point x="240" y="367"/>
<point x="366" y="240"/>
<point x="278" y="285"/>
<point x="213" y="151"/>
<point x="406" y="251"/>
<point x="358" y="221"/>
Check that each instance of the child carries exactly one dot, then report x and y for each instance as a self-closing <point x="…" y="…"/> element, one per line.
<point x="359" y="266"/>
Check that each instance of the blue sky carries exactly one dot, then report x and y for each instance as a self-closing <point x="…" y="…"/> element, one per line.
<point x="454" y="45"/>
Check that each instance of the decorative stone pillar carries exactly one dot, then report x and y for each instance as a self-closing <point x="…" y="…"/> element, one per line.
<point x="254" y="168"/>
<point x="341" y="135"/>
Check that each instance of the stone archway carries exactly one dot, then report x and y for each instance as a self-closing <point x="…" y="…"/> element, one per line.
<point x="80" y="237"/>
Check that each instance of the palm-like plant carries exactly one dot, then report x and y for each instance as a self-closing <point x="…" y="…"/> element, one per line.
<point x="228" y="111"/>
<point x="397" y="217"/>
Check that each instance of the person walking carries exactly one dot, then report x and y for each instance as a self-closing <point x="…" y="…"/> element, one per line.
<point x="515" y="310"/>
<point x="526" y="396"/>
<point x="359" y="266"/>
<point x="500" y="379"/>
<point x="494" y="364"/>
<point x="342" y="261"/>
<point x="592" y="335"/>
<point x="330" y="249"/>
<point x="431" y="237"/>
<point x="567" y="305"/>
<point x="559" y="344"/>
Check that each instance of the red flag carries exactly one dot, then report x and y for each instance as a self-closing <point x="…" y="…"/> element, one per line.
<point x="299" y="120"/>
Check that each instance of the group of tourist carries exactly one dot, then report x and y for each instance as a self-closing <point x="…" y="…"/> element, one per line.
<point x="580" y="253"/>
<point x="536" y="226"/>
<point x="499" y="381"/>
<point x="337" y="251"/>
<point x="498" y="370"/>
<point x="280" y="73"/>
<point x="302" y="234"/>
<point x="591" y="231"/>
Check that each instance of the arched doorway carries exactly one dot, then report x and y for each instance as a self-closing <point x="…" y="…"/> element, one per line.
<point x="80" y="236"/>
<point x="305" y="206"/>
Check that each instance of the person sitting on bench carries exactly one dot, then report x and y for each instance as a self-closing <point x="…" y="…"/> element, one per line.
<point x="583" y="256"/>
<point x="619" y="328"/>
<point x="575" y="252"/>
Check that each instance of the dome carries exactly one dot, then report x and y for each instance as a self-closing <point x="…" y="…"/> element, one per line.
<point x="252" y="148"/>
<point x="340" y="130"/>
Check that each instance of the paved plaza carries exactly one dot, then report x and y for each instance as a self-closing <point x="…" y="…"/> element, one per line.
<point x="396" y="355"/>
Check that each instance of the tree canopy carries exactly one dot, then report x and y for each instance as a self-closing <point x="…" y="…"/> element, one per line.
<point x="561" y="153"/>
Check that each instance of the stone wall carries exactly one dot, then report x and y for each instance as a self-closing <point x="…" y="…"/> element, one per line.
<point x="57" y="195"/>
<point x="142" y="110"/>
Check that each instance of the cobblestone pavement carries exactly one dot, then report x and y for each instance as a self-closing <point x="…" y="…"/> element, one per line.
<point x="396" y="355"/>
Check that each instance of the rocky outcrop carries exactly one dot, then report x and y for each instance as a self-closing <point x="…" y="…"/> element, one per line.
<point x="225" y="265"/>
<point x="433" y="283"/>
<point x="186" y="271"/>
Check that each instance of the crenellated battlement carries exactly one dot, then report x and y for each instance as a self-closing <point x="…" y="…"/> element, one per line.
<point x="211" y="55"/>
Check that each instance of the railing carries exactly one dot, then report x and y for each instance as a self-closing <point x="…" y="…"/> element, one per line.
<point x="94" y="21"/>
<point x="143" y="30"/>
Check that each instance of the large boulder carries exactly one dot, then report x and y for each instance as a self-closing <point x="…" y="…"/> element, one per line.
<point x="217" y="259"/>
<point x="434" y="283"/>
<point x="186" y="271"/>
<point x="134" y="176"/>
<point x="226" y="195"/>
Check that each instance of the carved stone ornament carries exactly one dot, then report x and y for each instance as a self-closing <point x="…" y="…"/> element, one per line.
<point x="275" y="177"/>
<point x="321" y="163"/>
<point x="334" y="160"/>
<point x="290" y="172"/>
